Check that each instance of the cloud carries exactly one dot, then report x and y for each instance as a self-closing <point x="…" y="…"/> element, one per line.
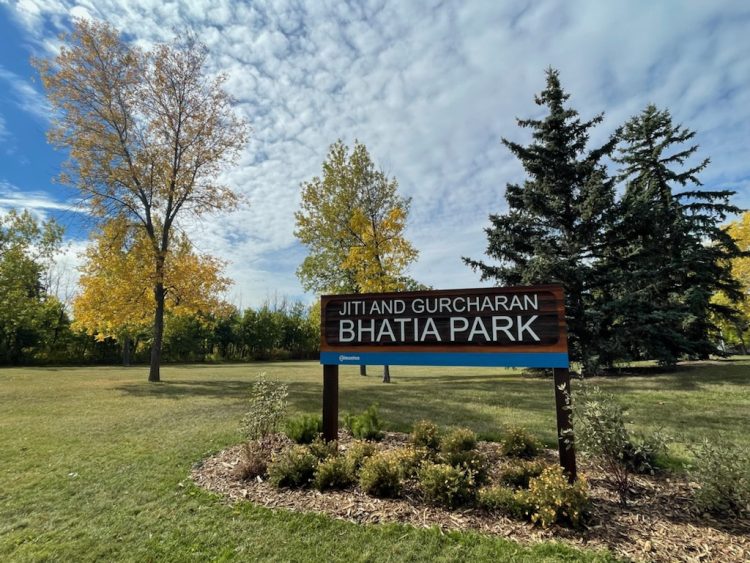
<point x="4" y="133"/>
<point x="430" y="88"/>
<point x="39" y="203"/>
<point x="25" y="96"/>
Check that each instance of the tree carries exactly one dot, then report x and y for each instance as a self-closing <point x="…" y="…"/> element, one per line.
<point x="668" y="254"/>
<point x="736" y="329"/>
<point x="556" y="221"/>
<point x="30" y="318"/>
<point x="116" y="298"/>
<point x="148" y="134"/>
<point x="352" y="220"/>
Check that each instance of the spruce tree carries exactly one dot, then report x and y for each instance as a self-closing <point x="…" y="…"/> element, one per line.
<point x="554" y="227"/>
<point x="668" y="253"/>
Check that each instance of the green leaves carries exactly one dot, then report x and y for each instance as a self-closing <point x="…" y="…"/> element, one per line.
<point x="352" y="221"/>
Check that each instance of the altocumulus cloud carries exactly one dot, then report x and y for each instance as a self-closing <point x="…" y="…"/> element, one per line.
<point x="430" y="87"/>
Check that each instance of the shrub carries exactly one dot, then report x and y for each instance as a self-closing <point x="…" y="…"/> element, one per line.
<point x="519" y="442"/>
<point x="447" y="485"/>
<point x="425" y="434"/>
<point x="294" y="468"/>
<point x="322" y="449"/>
<point x="366" y="426"/>
<point x="409" y="460"/>
<point x="253" y="463"/>
<point x="358" y="452"/>
<point x="304" y="429"/>
<point x="267" y="406"/>
<point x="553" y="500"/>
<point x="600" y="432"/>
<point x="458" y="440"/>
<point x="470" y="460"/>
<point x="642" y="453"/>
<point x="505" y="500"/>
<point x="520" y="473"/>
<point x="722" y="471"/>
<point x="380" y="475"/>
<point x="334" y="473"/>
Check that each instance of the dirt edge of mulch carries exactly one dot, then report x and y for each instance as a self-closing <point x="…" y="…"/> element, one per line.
<point x="659" y="523"/>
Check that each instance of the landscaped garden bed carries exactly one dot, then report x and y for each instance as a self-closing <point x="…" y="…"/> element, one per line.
<point x="660" y="522"/>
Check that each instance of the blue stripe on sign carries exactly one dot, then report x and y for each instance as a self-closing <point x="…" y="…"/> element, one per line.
<point x="494" y="359"/>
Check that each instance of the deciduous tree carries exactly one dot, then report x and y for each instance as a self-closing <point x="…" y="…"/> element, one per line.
<point x="352" y="220"/>
<point x="116" y="298"/>
<point x="148" y="133"/>
<point x="736" y="329"/>
<point x="29" y="315"/>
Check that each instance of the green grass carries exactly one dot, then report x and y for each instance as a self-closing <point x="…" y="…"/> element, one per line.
<point x="95" y="461"/>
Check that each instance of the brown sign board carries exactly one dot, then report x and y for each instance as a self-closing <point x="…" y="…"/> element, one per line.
<point x="511" y="326"/>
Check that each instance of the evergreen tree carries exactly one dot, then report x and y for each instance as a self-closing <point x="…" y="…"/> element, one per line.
<point x="555" y="223"/>
<point x="668" y="253"/>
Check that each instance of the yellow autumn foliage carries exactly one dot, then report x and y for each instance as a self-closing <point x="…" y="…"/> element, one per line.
<point x="118" y="275"/>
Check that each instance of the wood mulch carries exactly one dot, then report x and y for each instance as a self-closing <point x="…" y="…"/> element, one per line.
<point x="659" y="523"/>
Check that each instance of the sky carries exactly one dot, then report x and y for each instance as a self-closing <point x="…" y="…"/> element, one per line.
<point x="430" y="87"/>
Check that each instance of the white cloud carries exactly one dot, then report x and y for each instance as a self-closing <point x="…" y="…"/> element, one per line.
<point x="430" y="87"/>
<point x="25" y="96"/>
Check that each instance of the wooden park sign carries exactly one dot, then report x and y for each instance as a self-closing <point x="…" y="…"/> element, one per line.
<point x="508" y="327"/>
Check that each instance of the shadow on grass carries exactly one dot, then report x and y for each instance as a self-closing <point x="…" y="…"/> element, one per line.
<point x="178" y="389"/>
<point x="459" y="401"/>
<point x="687" y="378"/>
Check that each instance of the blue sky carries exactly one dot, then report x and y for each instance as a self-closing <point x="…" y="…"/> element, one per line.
<point x="429" y="87"/>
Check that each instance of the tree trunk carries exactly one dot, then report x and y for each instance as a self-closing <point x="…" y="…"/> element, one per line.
<point x="386" y="374"/>
<point x="126" y="352"/>
<point x="153" y="374"/>
<point x="363" y="370"/>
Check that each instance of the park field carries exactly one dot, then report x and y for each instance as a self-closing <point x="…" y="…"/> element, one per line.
<point x="95" y="460"/>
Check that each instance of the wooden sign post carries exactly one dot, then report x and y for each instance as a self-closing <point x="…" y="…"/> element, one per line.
<point x="508" y="327"/>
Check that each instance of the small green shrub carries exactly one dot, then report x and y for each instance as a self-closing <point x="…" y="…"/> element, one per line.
<point x="358" y="452"/>
<point x="519" y="442"/>
<point x="304" y="429"/>
<point x="722" y="471"/>
<point x="470" y="460"/>
<point x="600" y="432"/>
<point x="458" y="440"/>
<point x="334" y="473"/>
<point x="267" y="406"/>
<point x="505" y="500"/>
<point x="322" y="449"/>
<point x="409" y="460"/>
<point x="553" y="500"/>
<point x="294" y="468"/>
<point x="380" y="475"/>
<point x="447" y="485"/>
<point x="519" y="474"/>
<point x="642" y="453"/>
<point x="366" y="426"/>
<point x="425" y="434"/>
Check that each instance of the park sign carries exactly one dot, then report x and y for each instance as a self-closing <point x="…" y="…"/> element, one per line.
<point x="497" y="326"/>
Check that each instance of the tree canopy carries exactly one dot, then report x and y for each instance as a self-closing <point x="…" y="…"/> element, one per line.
<point x="352" y="220"/>
<point x="29" y="315"/>
<point x="557" y="219"/>
<point x="116" y="298"/>
<point x="148" y="133"/>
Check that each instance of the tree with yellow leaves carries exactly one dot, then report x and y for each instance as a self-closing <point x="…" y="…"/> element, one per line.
<point x="116" y="299"/>
<point x="147" y="133"/>
<point x="352" y="220"/>
<point x="736" y="331"/>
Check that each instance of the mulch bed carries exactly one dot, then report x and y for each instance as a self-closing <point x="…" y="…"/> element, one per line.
<point x="659" y="523"/>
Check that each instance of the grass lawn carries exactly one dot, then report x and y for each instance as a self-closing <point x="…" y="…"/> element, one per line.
<point x="95" y="460"/>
